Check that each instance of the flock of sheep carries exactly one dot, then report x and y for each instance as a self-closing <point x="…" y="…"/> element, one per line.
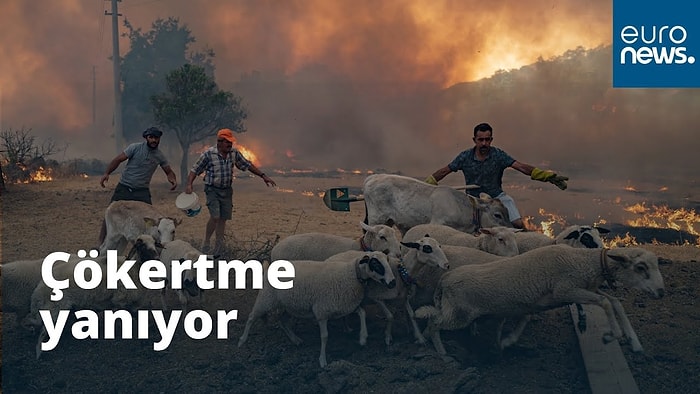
<point x="443" y="273"/>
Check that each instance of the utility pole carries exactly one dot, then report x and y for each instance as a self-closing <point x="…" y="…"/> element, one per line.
<point x="94" y="96"/>
<point x="118" y="132"/>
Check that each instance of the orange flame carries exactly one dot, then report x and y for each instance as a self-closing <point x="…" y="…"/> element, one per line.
<point x="664" y="217"/>
<point x="252" y="157"/>
<point x="547" y="224"/>
<point x="245" y="151"/>
<point x="40" y="175"/>
<point x="627" y="240"/>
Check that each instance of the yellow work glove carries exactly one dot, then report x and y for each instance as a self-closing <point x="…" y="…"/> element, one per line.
<point x="549" y="176"/>
<point x="431" y="180"/>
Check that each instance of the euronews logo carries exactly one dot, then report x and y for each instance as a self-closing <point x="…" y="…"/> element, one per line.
<point x="655" y="45"/>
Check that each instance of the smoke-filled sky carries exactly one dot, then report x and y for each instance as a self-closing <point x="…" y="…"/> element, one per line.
<point x="353" y="70"/>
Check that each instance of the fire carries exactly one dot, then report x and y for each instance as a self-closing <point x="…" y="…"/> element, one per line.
<point x="630" y="188"/>
<point x="245" y="151"/>
<point x="40" y="175"/>
<point x="529" y="225"/>
<point x="664" y="217"/>
<point x="248" y="154"/>
<point x="638" y="208"/>
<point x="627" y="240"/>
<point x="547" y="224"/>
<point x="305" y="193"/>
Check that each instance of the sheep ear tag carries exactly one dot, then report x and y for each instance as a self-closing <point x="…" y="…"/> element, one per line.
<point x="339" y="199"/>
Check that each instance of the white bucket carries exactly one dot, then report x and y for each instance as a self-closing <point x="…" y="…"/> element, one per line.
<point x="188" y="203"/>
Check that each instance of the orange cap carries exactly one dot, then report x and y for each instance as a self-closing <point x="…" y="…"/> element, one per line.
<point x="226" y="134"/>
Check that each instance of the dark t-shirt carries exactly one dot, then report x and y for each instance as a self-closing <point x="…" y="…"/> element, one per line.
<point x="487" y="173"/>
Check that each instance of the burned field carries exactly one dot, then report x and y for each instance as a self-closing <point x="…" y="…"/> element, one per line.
<point x="547" y="358"/>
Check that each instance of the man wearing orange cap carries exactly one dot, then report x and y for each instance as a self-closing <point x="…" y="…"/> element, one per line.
<point x="217" y="164"/>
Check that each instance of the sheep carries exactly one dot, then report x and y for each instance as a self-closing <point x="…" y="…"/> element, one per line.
<point x="126" y="220"/>
<point x="406" y="202"/>
<point x="179" y="250"/>
<point x="323" y="291"/>
<point x="576" y="235"/>
<point x="424" y="252"/>
<point x="457" y="256"/>
<point x="19" y="279"/>
<point x="582" y="236"/>
<point x="320" y="246"/>
<point x="99" y="298"/>
<point x="539" y="280"/>
<point x="529" y="240"/>
<point x="497" y="240"/>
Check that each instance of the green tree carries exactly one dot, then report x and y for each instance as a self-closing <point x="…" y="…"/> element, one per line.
<point x="195" y="108"/>
<point x="152" y="55"/>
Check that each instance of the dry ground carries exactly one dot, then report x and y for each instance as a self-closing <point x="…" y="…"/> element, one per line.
<point x="65" y="215"/>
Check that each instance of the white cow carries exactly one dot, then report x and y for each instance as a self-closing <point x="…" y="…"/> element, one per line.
<point x="404" y="202"/>
<point x="126" y="220"/>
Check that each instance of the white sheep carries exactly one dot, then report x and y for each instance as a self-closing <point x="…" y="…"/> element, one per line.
<point x="126" y="220"/>
<point x="179" y="250"/>
<point x="19" y="279"/>
<point x="539" y="280"/>
<point x="581" y="236"/>
<point x="320" y="246"/>
<point x="497" y="240"/>
<point x="425" y="252"/>
<point x="577" y="236"/>
<point x="457" y="256"/>
<point x="99" y="298"/>
<point x="323" y="291"/>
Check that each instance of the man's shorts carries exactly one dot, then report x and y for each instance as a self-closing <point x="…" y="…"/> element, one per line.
<point x="219" y="201"/>
<point x="509" y="203"/>
<point x="123" y="192"/>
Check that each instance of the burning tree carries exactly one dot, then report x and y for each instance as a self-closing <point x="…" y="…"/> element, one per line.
<point x="23" y="158"/>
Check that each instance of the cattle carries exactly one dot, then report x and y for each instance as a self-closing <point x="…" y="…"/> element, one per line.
<point x="404" y="202"/>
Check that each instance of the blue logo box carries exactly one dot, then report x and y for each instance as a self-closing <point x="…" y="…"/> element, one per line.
<point x="656" y="44"/>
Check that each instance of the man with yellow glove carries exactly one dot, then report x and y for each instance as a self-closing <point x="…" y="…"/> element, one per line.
<point x="483" y="165"/>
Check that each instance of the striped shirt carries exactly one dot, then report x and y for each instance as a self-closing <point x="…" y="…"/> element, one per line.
<point x="218" y="170"/>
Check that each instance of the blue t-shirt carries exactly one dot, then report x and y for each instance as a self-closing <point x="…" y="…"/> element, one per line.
<point x="487" y="173"/>
<point x="141" y="165"/>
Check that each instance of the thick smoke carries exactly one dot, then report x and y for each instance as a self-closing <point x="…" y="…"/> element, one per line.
<point x="339" y="84"/>
<point x="343" y="63"/>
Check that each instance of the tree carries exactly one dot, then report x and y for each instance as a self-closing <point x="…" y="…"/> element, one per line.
<point x="23" y="154"/>
<point x="152" y="55"/>
<point x="195" y="108"/>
